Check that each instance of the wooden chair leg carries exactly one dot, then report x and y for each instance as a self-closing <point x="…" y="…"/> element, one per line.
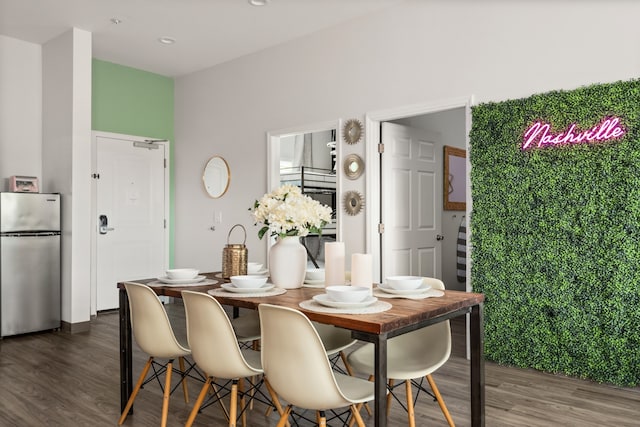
<point x="284" y="418"/>
<point x="233" y="406"/>
<point x="410" y="411"/>
<point x="167" y="393"/>
<point x="242" y="402"/>
<point x="214" y="390"/>
<point x="389" y="397"/>
<point x="184" y="380"/>
<point x="343" y="357"/>
<point x="252" y="382"/>
<point x="135" y="391"/>
<point x="355" y="411"/>
<point x="322" y="419"/>
<point x="443" y="407"/>
<point x="352" y="420"/>
<point x="196" y="407"/>
<point x="275" y="401"/>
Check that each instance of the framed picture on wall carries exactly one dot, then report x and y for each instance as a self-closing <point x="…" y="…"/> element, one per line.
<point x="455" y="172"/>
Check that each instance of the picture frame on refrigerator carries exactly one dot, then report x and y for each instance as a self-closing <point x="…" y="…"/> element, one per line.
<point x="23" y="184"/>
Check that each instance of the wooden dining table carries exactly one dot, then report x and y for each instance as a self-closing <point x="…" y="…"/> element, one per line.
<point x="404" y="316"/>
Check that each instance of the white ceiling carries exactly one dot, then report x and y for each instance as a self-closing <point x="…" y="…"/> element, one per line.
<point x="207" y="32"/>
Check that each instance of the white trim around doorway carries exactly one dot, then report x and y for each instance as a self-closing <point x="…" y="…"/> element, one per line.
<point x="372" y="173"/>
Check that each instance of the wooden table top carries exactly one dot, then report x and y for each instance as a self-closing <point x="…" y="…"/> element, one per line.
<point x="404" y="312"/>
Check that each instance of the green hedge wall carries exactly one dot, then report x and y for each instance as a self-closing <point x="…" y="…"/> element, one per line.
<point x="556" y="235"/>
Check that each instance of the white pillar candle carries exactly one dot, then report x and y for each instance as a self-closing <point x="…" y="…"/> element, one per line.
<point x="361" y="270"/>
<point x="333" y="263"/>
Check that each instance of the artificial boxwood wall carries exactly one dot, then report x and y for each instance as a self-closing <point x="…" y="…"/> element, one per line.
<point x="556" y="235"/>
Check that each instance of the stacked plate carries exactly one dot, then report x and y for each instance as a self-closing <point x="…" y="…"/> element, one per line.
<point x="247" y="284"/>
<point x="314" y="278"/>
<point x="196" y="279"/>
<point x="346" y="297"/>
<point x="182" y="276"/>
<point x="257" y="268"/>
<point x="231" y="288"/>
<point x="404" y="285"/>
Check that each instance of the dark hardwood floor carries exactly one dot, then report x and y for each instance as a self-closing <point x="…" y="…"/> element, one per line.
<point x="60" y="379"/>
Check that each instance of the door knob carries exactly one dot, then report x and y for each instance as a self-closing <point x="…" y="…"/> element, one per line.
<point x="103" y="225"/>
<point x="439" y="237"/>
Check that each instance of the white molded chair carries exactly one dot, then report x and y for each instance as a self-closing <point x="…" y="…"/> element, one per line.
<point x="154" y="335"/>
<point x="247" y="327"/>
<point x="412" y="356"/>
<point x="216" y="351"/>
<point x="297" y="367"/>
<point x="335" y="341"/>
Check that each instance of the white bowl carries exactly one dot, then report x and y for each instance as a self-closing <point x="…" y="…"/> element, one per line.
<point x="182" y="273"/>
<point x="315" y="274"/>
<point x="248" y="281"/>
<point x="346" y="293"/>
<point x="253" y="267"/>
<point x="404" y="283"/>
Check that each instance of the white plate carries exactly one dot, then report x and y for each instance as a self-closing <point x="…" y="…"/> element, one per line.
<point x="229" y="287"/>
<point x="424" y="287"/>
<point x="314" y="282"/>
<point x="315" y="286"/>
<point x="165" y="279"/>
<point x="326" y="301"/>
<point x="263" y="272"/>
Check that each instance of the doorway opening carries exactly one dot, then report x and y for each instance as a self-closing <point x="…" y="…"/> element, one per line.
<point x="451" y="120"/>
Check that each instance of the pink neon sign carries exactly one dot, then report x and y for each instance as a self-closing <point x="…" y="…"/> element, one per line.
<point x="538" y="135"/>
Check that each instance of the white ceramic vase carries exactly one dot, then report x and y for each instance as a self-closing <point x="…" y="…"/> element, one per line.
<point x="288" y="263"/>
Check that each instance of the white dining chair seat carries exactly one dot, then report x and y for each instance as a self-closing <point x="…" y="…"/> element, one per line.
<point x="216" y="350"/>
<point x="296" y="364"/>
<point x="333" y="338"/>
<point x="410" y="357"/>
<point x="247" y="326"/>
<point x="353" y="388"/>
<point x="406" y="357"/>
<point x="154" y="335"/>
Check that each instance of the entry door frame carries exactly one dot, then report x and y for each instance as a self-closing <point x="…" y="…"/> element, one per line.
<point x="94" y="202"/>
<point x="372" y="172"/>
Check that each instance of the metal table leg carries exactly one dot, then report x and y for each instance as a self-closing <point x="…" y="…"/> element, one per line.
<point x="126" y="358"/>
<point x="477" y="366"/>
<point x="380" y="373"/>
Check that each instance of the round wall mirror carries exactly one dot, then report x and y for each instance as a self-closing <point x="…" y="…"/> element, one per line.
<point x="353" y="166"/>
<point x="216" y="177"/>
<point x="353" y="202"/>
<point x="352" y="131"/>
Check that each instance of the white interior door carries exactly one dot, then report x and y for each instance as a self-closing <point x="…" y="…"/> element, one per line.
<point x="130" y="197"/>
<point x="411" y="200"/>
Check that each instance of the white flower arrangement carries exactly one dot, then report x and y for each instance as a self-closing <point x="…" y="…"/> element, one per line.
<point x="287" y="212"/>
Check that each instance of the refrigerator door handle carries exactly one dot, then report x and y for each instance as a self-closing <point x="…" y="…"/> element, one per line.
<point x="103" y="226"/>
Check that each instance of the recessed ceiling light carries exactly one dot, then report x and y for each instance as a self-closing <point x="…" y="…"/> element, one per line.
<point x="116" y="21"/>
<point x="167" y="40"/>
<point x="258" y="2"/>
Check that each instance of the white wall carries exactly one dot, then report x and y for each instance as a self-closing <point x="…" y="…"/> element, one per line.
<point x="66" y="151"/>
<point x="413" y="53"/>
<point x="45" y="131"/>
<point x="20" y="109"/>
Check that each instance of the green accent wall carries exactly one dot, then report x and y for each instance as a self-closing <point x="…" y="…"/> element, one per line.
<point x="134" y="102"/>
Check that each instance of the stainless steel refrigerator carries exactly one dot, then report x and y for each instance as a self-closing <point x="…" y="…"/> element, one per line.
<point x="29" y="262"/>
